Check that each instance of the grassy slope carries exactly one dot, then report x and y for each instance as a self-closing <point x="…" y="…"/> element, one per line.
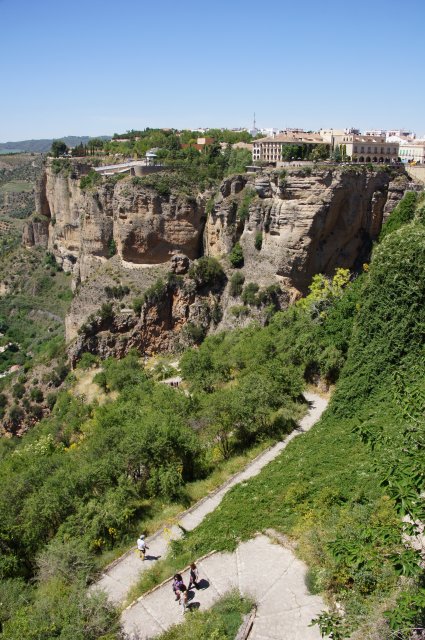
<point x="34" y="307"/>
<point x="325" y="489"/>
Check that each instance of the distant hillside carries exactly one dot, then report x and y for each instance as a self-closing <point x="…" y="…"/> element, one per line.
<point x="42" y="146"/>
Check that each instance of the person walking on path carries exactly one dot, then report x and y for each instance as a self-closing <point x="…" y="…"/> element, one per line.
<point x="142" y="546"/>
<point x="194" y="576"/>
<point x="180" y="590"/>
<point x="177" y="580"/>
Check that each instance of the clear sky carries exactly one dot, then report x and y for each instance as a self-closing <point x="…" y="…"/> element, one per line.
<point x="92" y="67"/>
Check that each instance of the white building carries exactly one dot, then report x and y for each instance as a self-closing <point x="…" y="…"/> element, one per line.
<point x="413" y="152"/>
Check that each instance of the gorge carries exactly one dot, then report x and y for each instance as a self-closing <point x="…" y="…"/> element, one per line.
<point x="290" y="225"/>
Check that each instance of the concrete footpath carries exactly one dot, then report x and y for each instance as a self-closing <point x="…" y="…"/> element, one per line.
<point x="125" y="572"/>
<point x="268" y="573"/>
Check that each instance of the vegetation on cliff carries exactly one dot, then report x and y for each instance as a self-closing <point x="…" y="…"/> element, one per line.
<point x="32" y="310"/>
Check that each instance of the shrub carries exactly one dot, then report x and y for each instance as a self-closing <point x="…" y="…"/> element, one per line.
<point x="87" y="361"/>
<point x="90" y="180"/>
<point x="36" y="394"/>
<point x="258" y="242"/>
<point x="51" y="399"/>
<point x="112" y="248"/>
<point x="249" y="294"/>
<point x="60" y="166"/>
<point x="207" y="271"/>
<point x="65" y="560"/>
<point x="155" y="292"/>
<point x="18" y="390"/>
<point x="117" y="292"/>
<point x="209" y="207"/>
<point x="236" y="256"/>
<point x="137" y="305"/>
<point x="16" y="414"/>
<point x="236" y="282"/>
<point x="106" y="312"/>
<point x="239" y="311"/>
<point x="195" y="332"/>
<point x="216" y="313"/>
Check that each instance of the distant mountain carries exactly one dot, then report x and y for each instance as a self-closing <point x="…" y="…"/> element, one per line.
<point x="41" y="146"/>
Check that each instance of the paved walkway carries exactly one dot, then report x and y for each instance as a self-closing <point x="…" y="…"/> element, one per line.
<point x="125" y="572"/>
<point x="269" y="573"/>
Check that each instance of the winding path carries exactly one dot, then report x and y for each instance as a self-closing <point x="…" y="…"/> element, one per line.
<point x="283" y="593"/>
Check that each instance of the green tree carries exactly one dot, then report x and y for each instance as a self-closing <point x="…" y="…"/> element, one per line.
<point x="320" y="152"/>
<point x="207" y="271"/>
<point x="58" y="148"/>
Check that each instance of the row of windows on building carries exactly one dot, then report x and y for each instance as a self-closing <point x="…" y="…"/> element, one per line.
<point x="375" y="150"/>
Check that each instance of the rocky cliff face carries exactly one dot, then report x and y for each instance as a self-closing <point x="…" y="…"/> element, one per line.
<point x="308" y="223"/>
<point x="180" y="314"/>
<point x="88" y="226"/>
<point x="290" y="227"/>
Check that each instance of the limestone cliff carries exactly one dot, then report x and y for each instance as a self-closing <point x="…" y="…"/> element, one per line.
<point x="290" y="225"/>
<point x="308" y="223"/>
<point x="88" y="226"/>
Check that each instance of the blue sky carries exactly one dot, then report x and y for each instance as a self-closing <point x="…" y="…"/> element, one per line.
<point x="99" y="67"/>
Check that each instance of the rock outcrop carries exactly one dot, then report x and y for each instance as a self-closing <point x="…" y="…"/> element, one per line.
<point x="177" y="316"/>
<point x="291" y="225"/>
<point x="36" y="233"/>
<point x="88" y="226"/>
<point x="308" y="223"/>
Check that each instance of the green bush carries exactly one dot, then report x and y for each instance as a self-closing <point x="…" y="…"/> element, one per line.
<point x="89" y="181"/>
<point x="240" y="311"/>
<point x="117" y="292"/>
<point x="87" y="361"/>
<point x="155" y="292"/>
<point x="236" y="282"/>
<point x="112" y="248"/>
<point x="207" y="271"/>
<point x="221" y="622"/>
<point x="51" y="399"/>
<point x="236" y="256"/>
<point x="36" y="394"/>
<point x="106" y="312"/>
<point x="137" y="305"/>
<point x="18" y="390"/>
<point x="249" y="293"/>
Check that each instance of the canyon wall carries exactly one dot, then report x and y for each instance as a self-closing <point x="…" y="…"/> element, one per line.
<point x="291" y="225"/>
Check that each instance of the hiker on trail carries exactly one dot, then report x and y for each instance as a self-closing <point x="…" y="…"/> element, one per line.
<point x="180" y="590"/>
<point x="142" y="546"/>
<point x="176" y="581"/>
<point x="194" y="576"/>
